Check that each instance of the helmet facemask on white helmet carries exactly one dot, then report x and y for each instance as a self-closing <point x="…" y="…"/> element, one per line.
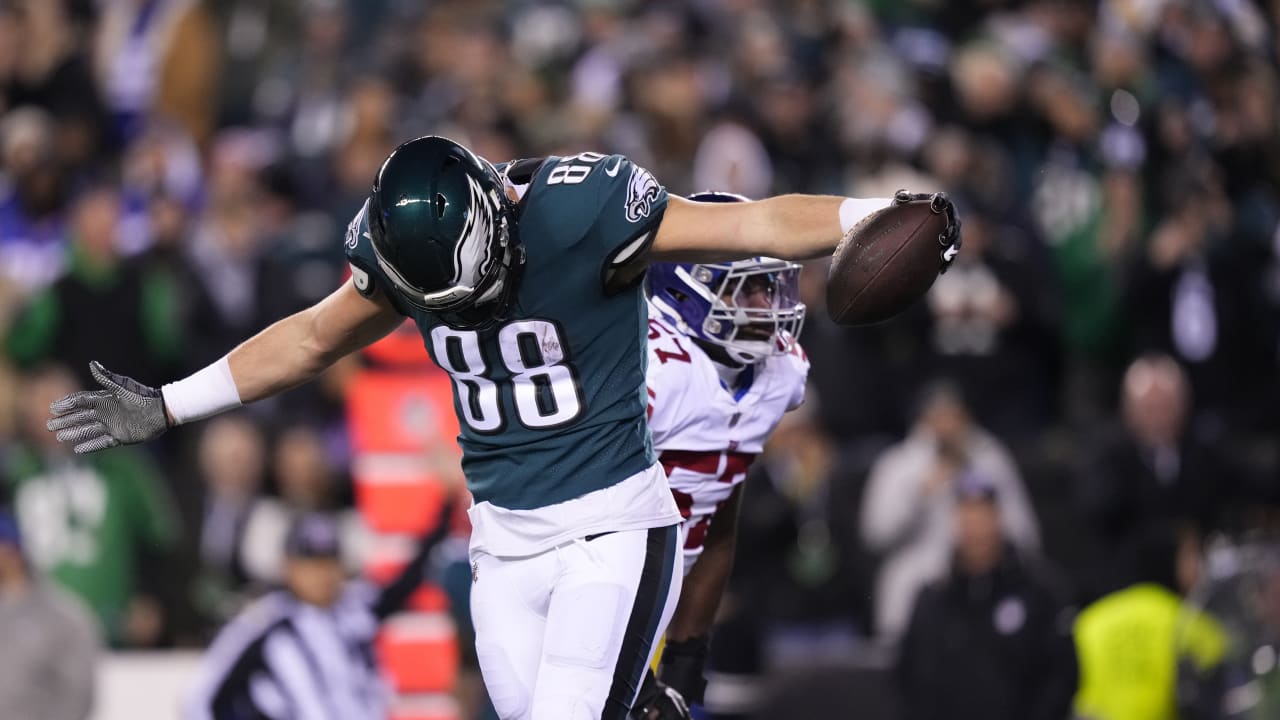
<point x="755" y="309"/>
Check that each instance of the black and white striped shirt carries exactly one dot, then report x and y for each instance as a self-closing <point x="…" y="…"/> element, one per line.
<point x="285" y="660"/>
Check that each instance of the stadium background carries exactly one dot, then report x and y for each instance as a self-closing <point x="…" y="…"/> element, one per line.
<point x="174" y="174"/>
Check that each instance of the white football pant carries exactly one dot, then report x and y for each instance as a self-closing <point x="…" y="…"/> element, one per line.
<point x="567" y="634"/>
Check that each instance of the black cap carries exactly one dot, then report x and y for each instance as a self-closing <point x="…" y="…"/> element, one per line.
<point x="313" y="535"/>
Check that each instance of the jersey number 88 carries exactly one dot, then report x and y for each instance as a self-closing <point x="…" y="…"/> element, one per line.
<point x="544" y="384"/>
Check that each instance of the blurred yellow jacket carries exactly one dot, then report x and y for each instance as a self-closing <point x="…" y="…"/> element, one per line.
<point x="1129" y="645"/>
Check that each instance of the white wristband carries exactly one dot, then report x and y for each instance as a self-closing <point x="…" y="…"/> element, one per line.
<point x="855" y="210"/>
<point x="206" y="392"/>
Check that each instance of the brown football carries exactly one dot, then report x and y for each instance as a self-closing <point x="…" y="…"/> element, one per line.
<point x="885" y="263"/>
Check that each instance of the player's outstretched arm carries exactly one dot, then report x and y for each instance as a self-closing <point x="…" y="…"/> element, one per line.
<point x="793" y="227"/>
<point x="286" y="354"/>
<point x="300" y="347"/>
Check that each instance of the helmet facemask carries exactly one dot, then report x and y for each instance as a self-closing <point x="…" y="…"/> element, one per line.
<point x="752" y="307"/>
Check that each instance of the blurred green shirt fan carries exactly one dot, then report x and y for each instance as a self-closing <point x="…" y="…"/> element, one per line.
<point x="89" y="523"/>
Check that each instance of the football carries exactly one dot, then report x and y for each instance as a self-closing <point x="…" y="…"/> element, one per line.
<point x="885" y="263"/>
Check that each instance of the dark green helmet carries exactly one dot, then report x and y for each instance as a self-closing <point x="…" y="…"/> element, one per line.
<point x="443" y="231"/>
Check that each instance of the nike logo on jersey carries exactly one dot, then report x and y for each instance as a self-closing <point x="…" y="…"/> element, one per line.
<point x="613" y="171"/>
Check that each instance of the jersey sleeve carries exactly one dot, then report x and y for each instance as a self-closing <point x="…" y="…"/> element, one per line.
<point x="365" y="273"/>
<point x="629" y="203"/>
<point x="665" y="384"/>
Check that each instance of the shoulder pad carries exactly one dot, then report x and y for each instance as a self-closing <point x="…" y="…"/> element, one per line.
<point x="358" y="246"/>
<point x="522" y="172"/>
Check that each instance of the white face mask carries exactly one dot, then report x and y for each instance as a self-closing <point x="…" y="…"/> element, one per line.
<point x="747" y="327"/>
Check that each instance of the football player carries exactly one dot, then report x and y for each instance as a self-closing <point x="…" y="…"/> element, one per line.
<point x="523" y="280"/>
<point x="724" y="366"/>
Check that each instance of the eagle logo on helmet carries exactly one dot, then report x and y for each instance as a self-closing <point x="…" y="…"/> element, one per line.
<point x="353" y="229"/>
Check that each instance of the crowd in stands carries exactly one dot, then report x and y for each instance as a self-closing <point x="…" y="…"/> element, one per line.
<point x="1097" y="376"/>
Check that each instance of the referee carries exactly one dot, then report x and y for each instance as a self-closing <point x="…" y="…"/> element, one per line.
<point x="306" y="652"/>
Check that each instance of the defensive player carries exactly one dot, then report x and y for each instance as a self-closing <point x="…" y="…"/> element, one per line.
<point x="724" y="366"/>
<point x="523" y="281"/>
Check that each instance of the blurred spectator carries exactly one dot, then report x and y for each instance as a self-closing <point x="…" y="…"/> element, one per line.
<point x="307" y="651"/>
<point x="796" y="134"/>
<point x="1241" y="592"/>
<point x="907" y="510"/>
<point x="993" y="639"/>
<point x="732" y="158"/>
<point x="994" y="322"/>
<point x="327" y="120"/>
<point x="33" y="199"/>
<point x="104" y="308"/>
<point x="162" y="165"/>
<point x="232" y="458"/>
<point x="1126" y="641"/>
<point x="255" y="34"/>
<point x="50" y="70"/>
<point x="91" y="523"/>
<point x="370" y="136"/>
<point x="797" y="595"/>
<point x="1195" y="295"/>
<point x="226" y="241"/>
<point x="1086" y="203"/>
<point x="51" y="642"/>
<point x="1154" y="473"/>
<point x="308" y="483"/>
<point x="803" y="567"/>
<point x="158" y="58"/>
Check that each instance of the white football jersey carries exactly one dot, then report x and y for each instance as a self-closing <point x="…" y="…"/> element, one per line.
<point x="706" y="434"/>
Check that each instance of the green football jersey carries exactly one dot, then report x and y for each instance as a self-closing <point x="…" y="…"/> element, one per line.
<point x="551" y="402"/>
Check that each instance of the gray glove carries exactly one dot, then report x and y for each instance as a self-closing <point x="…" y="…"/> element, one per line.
<point x="124" y="412"/>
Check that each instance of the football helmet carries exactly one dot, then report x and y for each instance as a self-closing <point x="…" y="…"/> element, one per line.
<point x="444" y="234"/>
<point x="751" y="308"/>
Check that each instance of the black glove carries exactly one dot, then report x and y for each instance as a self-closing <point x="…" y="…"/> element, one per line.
<point x="682" y="665"/>
<point x="658" y="702"/>
<point x="124" y="412"/>
<point x="939" y="203"/>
